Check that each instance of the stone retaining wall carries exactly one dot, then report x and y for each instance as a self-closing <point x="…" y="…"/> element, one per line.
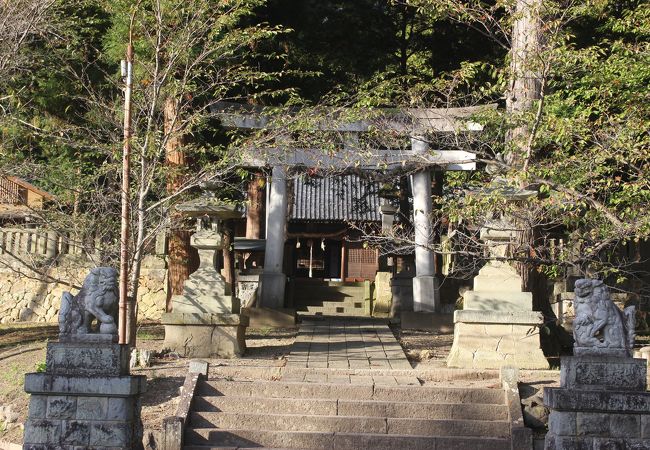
<point x="26" y="296"/>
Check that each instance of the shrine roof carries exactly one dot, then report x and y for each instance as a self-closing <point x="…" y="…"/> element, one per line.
<point x="335" y="198"/>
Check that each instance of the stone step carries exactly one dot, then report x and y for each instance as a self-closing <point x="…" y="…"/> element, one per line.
<point x="210" y="447"/>
<point x="339" y="441"/>
<point x="331" y="311"/>
<point x="314" y="298"/>
<point x="428" y="373"/>
<point x="310" y="296"/>
<point x="342" y="407"/>
<point x="349" y="424"/>
<point x="346" y="303"/>
<point x="280" y="389"/>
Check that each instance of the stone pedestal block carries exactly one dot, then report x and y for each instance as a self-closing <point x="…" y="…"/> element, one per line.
<point x="87" y="359"/>
<point x="603" y="373"/>
<point x="402" y="291"/>
<point x="85" y="399"/>
<point x="602" y="404"/>
<point x="492" y="339"/>
<point x="272" y="287"/>
<point x="426" y="296"/>
<point x="498" y="301"/>
<point x="205" y="335"/>
<point x="383" y="297"/>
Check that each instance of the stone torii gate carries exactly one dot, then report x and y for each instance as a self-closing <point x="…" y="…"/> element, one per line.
<point x="415" y="123"/>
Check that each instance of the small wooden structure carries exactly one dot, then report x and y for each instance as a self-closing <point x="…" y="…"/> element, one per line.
<point x="19" y="199"/>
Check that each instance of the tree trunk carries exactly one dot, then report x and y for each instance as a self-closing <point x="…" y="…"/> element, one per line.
<point x="524" y="90"/>
<point x="525" y="73"/>
<point x="254" y="210"/>
<point x="180" y="251"/>
<point x="254" y="214"/>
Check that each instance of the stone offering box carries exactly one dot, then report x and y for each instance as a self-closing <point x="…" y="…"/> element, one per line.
<point x="602" y="404"/>
<point x="86" y="398"/>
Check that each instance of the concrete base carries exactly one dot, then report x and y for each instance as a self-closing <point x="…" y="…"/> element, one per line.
<point x="492" y="339"/>
<point x="84" y="399"/>
<point x="270" y="318"/>
<point x="205" y="335"/>
<point x="272" y="287"/>
<point x="602" y="404"/>
<point x="426" y="294"/>
<point x="440" y="323"/>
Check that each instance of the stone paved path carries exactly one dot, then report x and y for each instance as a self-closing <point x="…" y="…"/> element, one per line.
<point x="358" y="346"/>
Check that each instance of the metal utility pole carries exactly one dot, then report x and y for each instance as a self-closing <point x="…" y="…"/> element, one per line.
<point x="124" y="322"/>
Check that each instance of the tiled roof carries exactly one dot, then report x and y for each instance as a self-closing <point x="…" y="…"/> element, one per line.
<point x="336" y="198"/>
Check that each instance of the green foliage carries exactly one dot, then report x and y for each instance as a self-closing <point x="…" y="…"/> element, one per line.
<point x="61" y="119"/>
<point x="40" y="367"/>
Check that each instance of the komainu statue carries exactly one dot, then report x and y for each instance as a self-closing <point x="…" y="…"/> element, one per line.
<point x="97" y="299"/>
<point x="600" y="327"/>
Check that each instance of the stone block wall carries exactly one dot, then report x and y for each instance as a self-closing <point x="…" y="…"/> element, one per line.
<point x="27" y="296"/>
<point x="603" y="403"/>
<point x="81" y="421"/>
<point x="84" y="399"/>
<point x="598" y="427"/>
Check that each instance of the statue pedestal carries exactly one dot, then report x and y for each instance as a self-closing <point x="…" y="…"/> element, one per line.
<point x="85" y="398"/>
<point x="602" y="404"/>
<point x="497" y="326"/>
<point x="202" y="323"/>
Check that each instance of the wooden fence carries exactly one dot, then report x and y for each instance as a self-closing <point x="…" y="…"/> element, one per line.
<point x="42" y="242"/>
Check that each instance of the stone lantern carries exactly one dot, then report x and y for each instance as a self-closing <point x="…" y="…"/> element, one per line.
<point x="497" y="325"/>
<point x="203" y="321"/>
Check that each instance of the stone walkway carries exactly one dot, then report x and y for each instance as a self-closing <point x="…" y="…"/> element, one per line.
<point x="358" y="352"/>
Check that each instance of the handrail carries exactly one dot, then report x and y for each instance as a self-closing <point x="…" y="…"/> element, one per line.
<point x="174" y="426"/>
<point x="521" y="437"/>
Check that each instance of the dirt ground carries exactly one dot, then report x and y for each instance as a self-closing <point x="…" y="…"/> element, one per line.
<point x="424" y="348"/>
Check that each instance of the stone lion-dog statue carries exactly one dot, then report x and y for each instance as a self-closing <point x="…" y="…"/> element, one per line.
<point x="600" y="327"/>
<point x="97" y="299"/>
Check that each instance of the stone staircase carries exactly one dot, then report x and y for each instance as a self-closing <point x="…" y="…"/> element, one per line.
<point x="329" y="298"/>
<point x="288" y="414"/>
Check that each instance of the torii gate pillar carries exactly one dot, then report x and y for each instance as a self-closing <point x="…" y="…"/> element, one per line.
<point x="272" y="280"/>
<point x="426" y="294"/>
